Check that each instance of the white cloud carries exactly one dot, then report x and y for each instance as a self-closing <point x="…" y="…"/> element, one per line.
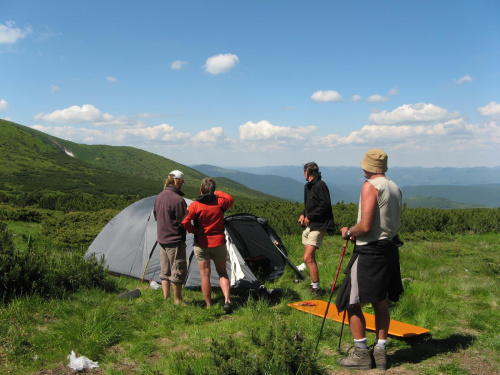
<point x="178" y="64"/>
<point x="491" y="109"/>
<point x="326" y="96"/>
<point x="410" y="113"/>
<point x="10" y="34"/>
<point x="54" y="88"/>
<point x="3" y="105"/>
<point x="221" y="63"/>
<point x="444" y="135"/>
<point x="87" y="113"/>
<point x="392" y="92"/>
<point x="376" y="99"/>
<point x="163" y="132"/>
<point x="466" y="78"/>
<point x="160" y="134"/>
<point x="75" y="114"/>
<point x="356" y="97"/>
<point x="111" y="79"/>
<point x="147" y="115"/>
<point x="214" y="135"/>
<point x="264" y="130"/>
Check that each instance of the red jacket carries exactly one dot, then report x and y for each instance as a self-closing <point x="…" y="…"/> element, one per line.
<point x="205" y="218"/>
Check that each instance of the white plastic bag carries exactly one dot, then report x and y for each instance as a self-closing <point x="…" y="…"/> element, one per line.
<point x="302" y="267"/>
<point x="154" y="284"/>
<point x="79" y="363"/>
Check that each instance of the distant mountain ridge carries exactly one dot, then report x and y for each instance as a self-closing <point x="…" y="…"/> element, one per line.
<point x="345" y="183"/>
<point x="404" y="176"/>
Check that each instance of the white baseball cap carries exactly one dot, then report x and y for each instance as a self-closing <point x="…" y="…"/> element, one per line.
<point x="177" y="174"/>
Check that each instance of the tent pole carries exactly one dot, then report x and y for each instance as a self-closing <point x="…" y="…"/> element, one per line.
<point x="150" y="255"/>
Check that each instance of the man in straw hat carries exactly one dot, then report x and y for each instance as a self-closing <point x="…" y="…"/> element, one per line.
<point x="169" y="210"/>
<point x="373" y="274"/>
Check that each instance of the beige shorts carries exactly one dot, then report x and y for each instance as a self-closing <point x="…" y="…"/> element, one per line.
<point x="313" y="237"/>
<point x="173" y="262"/>
<point x="216" y="254"/>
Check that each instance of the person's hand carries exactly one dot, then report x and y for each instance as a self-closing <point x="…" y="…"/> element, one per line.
<point x="306" y="221"/>
<point x="346" y="233"/>
<point x="301" y="220"/>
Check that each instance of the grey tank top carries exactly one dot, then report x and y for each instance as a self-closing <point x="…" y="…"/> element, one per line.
<point x="387" y="215"/>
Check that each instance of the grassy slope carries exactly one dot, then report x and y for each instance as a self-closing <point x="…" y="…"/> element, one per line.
<point x="451" y="288"/>
<point x="31" y="162"/>
<point x="35" y="161"/>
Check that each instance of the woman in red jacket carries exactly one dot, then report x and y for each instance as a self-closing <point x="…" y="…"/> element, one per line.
<point x="205" y="219"/>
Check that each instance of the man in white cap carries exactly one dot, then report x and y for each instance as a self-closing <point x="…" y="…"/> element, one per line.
<point x="169" y="210"/>
<point x="373" y="274"/>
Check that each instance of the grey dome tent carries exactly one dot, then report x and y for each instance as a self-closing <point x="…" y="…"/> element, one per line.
<point x="129" y="247"/>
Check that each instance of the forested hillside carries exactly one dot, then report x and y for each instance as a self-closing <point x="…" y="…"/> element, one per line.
<point x="36" y="164"/>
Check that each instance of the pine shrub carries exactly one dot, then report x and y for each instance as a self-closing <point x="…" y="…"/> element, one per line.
<point x="36" y="271"/>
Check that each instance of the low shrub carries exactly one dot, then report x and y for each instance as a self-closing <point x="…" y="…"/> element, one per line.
<point x="281" y="351"/>
<point x="37" y="271"/>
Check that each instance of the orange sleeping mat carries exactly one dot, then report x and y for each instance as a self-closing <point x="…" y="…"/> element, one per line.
<point x="396" y="328"/>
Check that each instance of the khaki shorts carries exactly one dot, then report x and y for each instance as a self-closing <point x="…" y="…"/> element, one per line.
<point x="216" y="254"/>
<point x="313" y="237"/>
<point x="173" y="262"/>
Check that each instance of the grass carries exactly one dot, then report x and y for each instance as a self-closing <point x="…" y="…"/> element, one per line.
<point x="451" y="287"/>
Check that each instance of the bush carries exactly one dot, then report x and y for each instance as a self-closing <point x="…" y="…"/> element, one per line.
<point x="19" y="271"/>
<point x="35" y="271"/>
<point x="282" y="351"/>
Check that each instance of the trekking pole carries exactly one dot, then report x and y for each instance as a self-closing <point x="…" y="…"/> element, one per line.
<point x="331" y="292"/>
<point x="341" y="331"/>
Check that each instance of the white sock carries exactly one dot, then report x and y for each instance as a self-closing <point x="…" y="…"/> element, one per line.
<point x="381" y="343"/>
<point x="315" y="284"/>
<point x="361" y="343"/>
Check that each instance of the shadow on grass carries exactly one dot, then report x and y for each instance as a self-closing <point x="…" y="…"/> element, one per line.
<point x="425" y="347"/>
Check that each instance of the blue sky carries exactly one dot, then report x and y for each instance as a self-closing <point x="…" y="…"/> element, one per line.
<point x="259" y="83"/>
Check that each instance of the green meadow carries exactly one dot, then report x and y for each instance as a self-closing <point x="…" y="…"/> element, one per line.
<point x="53" y="302"/>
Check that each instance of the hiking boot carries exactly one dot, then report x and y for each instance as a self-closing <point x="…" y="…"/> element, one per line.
<point x="318" y="292"/>
<point x="380" y="357"/>
<point x="228" y="309"/>
<point x="360" y="359"/>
